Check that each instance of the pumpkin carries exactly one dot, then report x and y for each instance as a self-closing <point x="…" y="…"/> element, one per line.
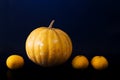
<point x="48" y="46"/>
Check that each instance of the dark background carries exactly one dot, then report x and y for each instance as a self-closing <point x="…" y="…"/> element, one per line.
<point x="94" y="28"/>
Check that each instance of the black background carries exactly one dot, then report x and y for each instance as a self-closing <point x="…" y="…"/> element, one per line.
<point x="94" y="28"/>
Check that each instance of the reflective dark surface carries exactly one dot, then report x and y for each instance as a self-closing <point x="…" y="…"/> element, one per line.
<point x="63" y="72"/>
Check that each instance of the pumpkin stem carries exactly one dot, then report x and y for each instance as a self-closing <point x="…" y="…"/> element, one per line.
<point x="51" y="24"/>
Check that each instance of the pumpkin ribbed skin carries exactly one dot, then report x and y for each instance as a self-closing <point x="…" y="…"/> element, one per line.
<point x="48" y="46"/>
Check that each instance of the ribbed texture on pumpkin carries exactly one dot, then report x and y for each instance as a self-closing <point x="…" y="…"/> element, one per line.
<point x="48" y="46"/>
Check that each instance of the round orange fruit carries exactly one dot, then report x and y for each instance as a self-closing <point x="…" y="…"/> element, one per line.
<point x="15" y="62"/>
<point x="80" y="62"/>
<point x="99" y="62"/>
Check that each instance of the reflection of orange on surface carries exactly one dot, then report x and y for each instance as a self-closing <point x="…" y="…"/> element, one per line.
<point x="80" y="62"/>
<point x="99" y="62"/>
<point x="15" y="62"/>
<point x="9" y="75"/>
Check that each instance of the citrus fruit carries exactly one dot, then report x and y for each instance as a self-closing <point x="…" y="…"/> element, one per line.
<point x="99" y="62"/>
<point x="15" y="62"/>
<point x="80" y="62"/>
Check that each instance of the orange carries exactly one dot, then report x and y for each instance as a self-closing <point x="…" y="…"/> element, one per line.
<point x="80" y="62"/>
<point x="99" y="62"/>
<point x="15" y="62"/>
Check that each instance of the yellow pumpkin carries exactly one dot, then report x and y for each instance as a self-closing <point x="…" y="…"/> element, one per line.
<point x="47" y="46"/>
